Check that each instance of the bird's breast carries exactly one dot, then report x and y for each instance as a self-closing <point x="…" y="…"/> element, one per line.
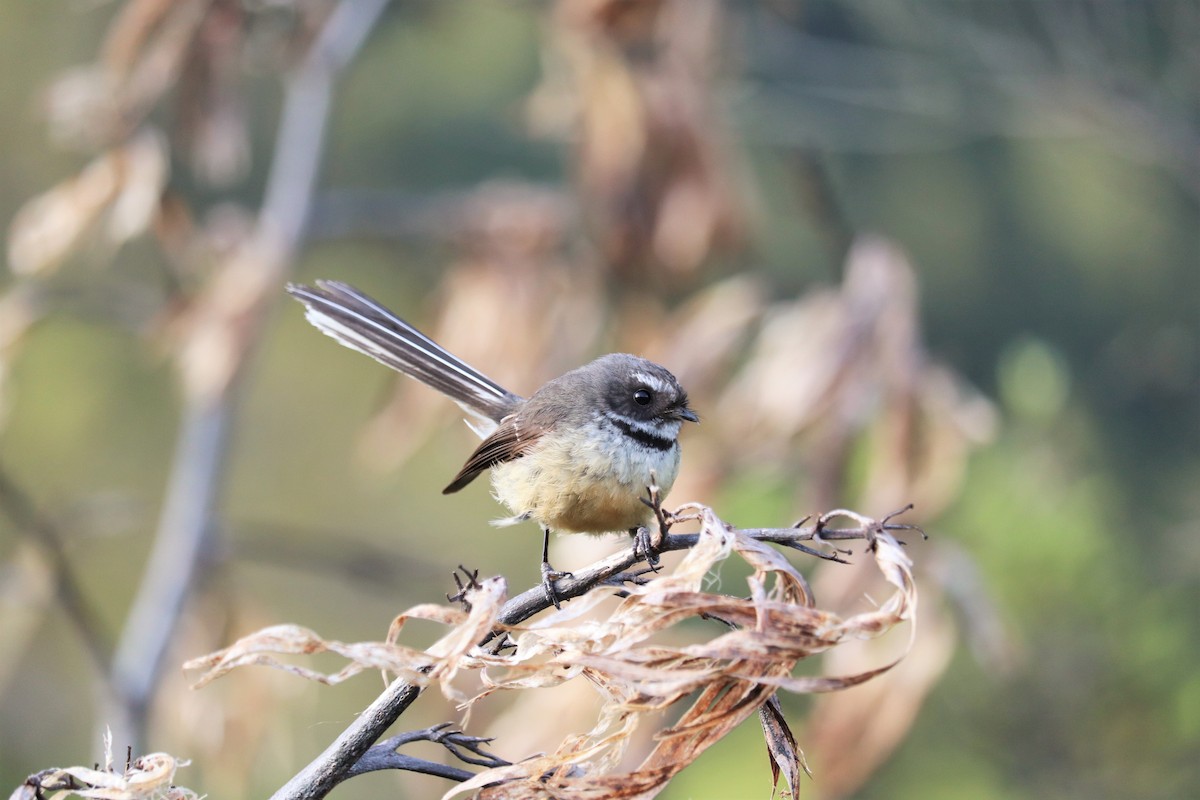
<point x="590" y="480"/>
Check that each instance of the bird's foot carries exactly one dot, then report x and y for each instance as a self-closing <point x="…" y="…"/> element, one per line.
<point x="645" y="547"/>
<point x="549" y="576"/>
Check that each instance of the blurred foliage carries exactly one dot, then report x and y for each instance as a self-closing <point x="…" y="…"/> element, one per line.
<point x="1037" y="162"/>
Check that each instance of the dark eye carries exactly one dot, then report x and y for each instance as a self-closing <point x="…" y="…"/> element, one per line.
<point x="642" y="397"/>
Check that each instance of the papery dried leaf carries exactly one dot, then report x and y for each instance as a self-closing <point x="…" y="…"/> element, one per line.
<point x="24" y="792"/>
<point x="83" y="107"/>
<point x="629" y="786"/>
<point x="782" y="751"/>
<point x="622" y="652"/>
<point x="654" y="171"/>
<point x="735" y="672"/>
<point x="438" y="663"/>
<point x="468" y="630"/>
<point x="117" y="193"/>
<point x="256" y="650"/>
<point x="107" y="740"/>
<point x="149" y="777"/>
<point x="145" y="172"/>
<point x="97" y="105"/>
<point x="47" y="228"/>
<point x="258" y="647"/>
<point x="129" y="31"/>
<point x="160" y="58"/>
<point x="211" y="119"/>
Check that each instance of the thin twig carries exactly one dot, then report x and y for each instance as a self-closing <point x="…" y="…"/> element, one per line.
<point x="19" y="507"/>
<point x="468" y="749"/>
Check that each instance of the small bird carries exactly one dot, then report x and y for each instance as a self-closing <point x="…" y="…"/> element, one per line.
<point x="576" y="457"/>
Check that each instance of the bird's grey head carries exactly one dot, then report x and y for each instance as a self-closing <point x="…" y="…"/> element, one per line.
<point x="641" y="391"/>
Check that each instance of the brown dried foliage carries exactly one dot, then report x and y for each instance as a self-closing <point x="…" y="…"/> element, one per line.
<point x="187" y="54"/>
<point x="657" y="180"/>
<point x="633" y="655"/>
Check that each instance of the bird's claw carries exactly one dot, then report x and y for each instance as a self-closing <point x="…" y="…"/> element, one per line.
<point x="549" y="576"/>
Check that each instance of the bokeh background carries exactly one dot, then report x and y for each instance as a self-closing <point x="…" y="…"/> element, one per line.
<point x="935" y="252"/>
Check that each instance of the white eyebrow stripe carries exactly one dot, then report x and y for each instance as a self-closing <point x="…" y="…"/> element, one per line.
<point x="653" y="381"/>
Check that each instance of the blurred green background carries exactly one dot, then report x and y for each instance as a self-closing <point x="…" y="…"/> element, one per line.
<point x="1038" y="161"/>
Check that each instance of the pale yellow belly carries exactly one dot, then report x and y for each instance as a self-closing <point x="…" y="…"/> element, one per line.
<point x="585" y="489"/>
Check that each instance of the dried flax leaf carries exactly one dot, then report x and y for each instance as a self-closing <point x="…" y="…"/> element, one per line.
<point x="150" y="777"/>
<point x="116" y="194"/>
<point x="93" y="106"/>
<point x="451" y="651"/>
<point x="737" y="673"/>
<point x="259" y="649"/>
<point x="658" y="181"/>
<point x="130" y="30"/>
<point x="439" y="663"/>
<point x="623" y="653"/>
<point x="782" y="751"/>
<point x="152" y="66"/>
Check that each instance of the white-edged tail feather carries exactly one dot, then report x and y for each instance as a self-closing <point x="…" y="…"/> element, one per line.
<point x="360" y="323"/>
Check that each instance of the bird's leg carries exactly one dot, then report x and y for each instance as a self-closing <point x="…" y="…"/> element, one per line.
<point x="549" y="573"/>
<point x="644" y="545"/>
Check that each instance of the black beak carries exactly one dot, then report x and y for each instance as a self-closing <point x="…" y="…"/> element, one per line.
<point x="686" y="413"/>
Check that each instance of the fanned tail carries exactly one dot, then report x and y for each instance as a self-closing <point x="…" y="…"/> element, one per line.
<point x="360" y="323"/>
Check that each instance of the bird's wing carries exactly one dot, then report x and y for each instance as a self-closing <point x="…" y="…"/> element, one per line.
<point x="510" y="440"/>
